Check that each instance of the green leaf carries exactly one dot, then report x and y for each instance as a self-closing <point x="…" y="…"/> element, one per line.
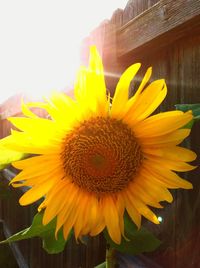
<point x="195" y="108"/>
<point x="46" y="232"/>
<point x="8" y="156"/>
<point x="189" y="125"/>
<point x="102" y="265"/>
<point x="53" y="246"/>
<point x="140" y="241"/>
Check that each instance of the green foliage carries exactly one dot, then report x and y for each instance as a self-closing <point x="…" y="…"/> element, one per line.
<point x="8" y="156"/>
<point x="46" y="232"/>
<point x="102" y="265"/>
<point x="139" y="241"/>
<point x="195" y="108"/>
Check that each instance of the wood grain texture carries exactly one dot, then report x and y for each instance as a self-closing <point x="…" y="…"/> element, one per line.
<point x="135" y="8"/>
<point x="166" y="21"/>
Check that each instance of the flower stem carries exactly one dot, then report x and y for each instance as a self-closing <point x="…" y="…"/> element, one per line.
<point x="110" y="257"/>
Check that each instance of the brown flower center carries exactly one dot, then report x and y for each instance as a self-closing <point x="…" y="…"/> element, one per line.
<point x="101" y="155"/>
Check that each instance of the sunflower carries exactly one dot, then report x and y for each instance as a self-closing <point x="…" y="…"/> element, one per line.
<point x="93" y="160"/>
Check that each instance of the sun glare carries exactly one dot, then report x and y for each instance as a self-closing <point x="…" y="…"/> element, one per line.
<point x="40" y="42"/>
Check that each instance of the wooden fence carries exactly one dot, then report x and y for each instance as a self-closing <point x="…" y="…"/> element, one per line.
<point x="163" y="34"/>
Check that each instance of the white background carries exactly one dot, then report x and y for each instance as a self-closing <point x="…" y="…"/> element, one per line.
<point x="40" y="40"/>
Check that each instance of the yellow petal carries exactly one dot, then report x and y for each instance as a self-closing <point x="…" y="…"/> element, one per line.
<point x="131" y="209"/>
<point x="36" y="192"/>
<point x="63" y="215"/>
<point x="94" y="213"/>
<point x="71" y="216"/>
<point x="62" y="114"/>
<point x="122" y="90"/>
<point x="155" y="188"/>
<point x="40" y="168"/>
<point x="143" y="209"/>
<point x="26" y="111"/>
<point x="97" y="219"/>
<point x="58" y="201"/>
<point x="61" y="101"/>
<point x="146" y="212"/>
<point x="175" y="153"/>
<point x="69" y="223"/>
<point x="142" y="84"/>
<point x="111" y="218"/>
<point x="90" y="96"/>
<point x="162" y="124"/>
<point x="63" y="109"/>
<point x="81" y="221"/>
<point x="170" y="164"/>
<point x="97" y="229"/>
<point x="33" y="124"/>
<point x="36" y="160"/>
<point x="24" y="143"/>
<point x="148" y="102"/>
<point x="144" y="195"/>
<point x="170" y="139"/>
<point x="168" y="177"/>
<point x="120" y="205"/>
<point x="32" y="179"/>
<point x="133" y="99"/>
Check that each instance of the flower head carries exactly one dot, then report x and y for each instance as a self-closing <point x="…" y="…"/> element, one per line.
<point x="95" y="160"/>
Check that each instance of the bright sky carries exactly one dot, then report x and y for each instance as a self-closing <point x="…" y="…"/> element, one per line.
<point x="40" y="39"/>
